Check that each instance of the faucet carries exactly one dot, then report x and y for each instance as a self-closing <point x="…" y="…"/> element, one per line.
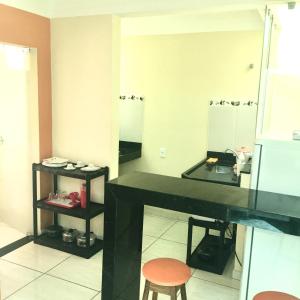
<point x="238" y="161"/>
<point x="230" y="150"/>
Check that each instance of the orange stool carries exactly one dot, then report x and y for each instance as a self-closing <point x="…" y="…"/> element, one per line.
<point x="274" y="296"/>
<point x="166" y="276"/>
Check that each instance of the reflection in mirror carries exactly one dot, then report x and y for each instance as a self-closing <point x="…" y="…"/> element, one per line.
<point x="131" y="124"/>
<point x="194" y="70"/>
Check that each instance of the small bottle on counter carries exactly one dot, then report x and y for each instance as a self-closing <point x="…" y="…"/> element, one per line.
<point x="83" y="195"/>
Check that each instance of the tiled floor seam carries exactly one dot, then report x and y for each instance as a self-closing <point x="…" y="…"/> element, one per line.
<point x="41" y="274"/>
<point x="84" y="286"/>
<point x="162" y="217"/>
<point x="211" y="281"/>
<point x="14" y="263"/>
<point x="94" y="297"/>
<point x="65" y="259"/>
<point x="172" y="241"/>
<point x="16" y="291"/>
<point x="167" y="229"/>
<point x="150" y="243"/>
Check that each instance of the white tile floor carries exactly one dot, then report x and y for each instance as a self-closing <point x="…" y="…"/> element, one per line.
<point x="8" y="235"/>
<point x="34" y="272"/>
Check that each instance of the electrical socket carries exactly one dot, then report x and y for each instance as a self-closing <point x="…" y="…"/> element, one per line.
<point x="163" y="152"/>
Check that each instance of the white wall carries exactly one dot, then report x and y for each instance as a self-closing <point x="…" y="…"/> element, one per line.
<point x="85" y="80"/>
<point x="19" y="128"/>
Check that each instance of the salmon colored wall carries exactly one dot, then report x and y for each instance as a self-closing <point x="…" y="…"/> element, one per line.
<point x="30" y="30"/>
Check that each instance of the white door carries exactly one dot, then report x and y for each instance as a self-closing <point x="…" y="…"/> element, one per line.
<point x="15" y="162"/>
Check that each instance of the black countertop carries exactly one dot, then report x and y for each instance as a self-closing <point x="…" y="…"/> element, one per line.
<point x="129" y="151"/>
<point x="234" y="204"/>
<point x="202" y="172"/>
<point x="126" y="196"/>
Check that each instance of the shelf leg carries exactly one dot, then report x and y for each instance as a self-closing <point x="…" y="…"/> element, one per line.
<point x="87" y="220"/>
<point x="55" y="184"/>
<point x="34" y="189"/>
<point x="87" y="232"/>
<point x="55" y="187"/>
<point x="55" y="219"/>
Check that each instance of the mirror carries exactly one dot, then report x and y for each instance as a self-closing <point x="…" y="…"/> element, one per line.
<point x="200" y="78"/>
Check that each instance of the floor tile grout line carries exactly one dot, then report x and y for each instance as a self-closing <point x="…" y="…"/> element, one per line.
<point x="155" y="239"/>
<point x="26" y="267"/>
<point x="205" y="280"/>
<point x="19" y="265"/>
<point x="94" y="297"/>
<point x="161" y="217"/>
<point x="81" y="285"/>
<point x="167" y="229"/>
<point x="41" y="274"/>
<point x="65" y="259"/>
<point x="19" y="289"/>
<point x="45" y="273"/>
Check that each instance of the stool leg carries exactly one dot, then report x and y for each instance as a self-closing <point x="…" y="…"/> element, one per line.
<point x="154" y="296"/>
<point x="173" y="293"/>
<point x="183" y="292"/>
<point x="146" y="290"/>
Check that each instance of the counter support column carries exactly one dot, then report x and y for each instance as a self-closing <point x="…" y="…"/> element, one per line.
<point x="123" y="234"/>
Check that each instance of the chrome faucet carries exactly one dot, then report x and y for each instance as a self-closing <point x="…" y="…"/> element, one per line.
<point x="230" y="150"/>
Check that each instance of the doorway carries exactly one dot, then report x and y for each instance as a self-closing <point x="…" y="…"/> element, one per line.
<point x="18" y="140"/>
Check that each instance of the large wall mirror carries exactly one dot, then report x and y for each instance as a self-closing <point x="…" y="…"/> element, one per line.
<point x="199" y="78"/>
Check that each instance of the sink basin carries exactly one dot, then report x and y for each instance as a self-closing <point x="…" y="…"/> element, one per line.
<point x="223" y="169"/>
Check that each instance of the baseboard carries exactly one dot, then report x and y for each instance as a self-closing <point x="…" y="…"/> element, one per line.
<point x="15" y="245"/>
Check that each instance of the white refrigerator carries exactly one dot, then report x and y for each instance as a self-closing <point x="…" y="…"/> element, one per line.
<point x="272" y="259"/>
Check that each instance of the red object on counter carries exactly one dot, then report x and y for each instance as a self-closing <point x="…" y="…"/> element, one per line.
<point x="83" y="196"/>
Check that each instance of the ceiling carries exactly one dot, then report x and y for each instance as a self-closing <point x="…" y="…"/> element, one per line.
<point x="245" y="20"/>
<point x="70" y="8"/>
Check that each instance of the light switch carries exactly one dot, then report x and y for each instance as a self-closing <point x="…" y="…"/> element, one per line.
<point x="162" y="152"/>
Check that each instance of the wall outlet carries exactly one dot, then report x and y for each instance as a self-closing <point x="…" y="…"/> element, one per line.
<point x="162" y="152"/>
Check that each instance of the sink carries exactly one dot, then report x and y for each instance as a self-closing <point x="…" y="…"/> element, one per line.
<point x="223" y="169"/>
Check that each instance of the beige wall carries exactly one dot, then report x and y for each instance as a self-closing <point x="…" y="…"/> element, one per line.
<point x="178" y="75"/>
<point x="85" y="76"/>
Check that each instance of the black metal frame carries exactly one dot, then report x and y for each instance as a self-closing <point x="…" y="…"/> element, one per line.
<point x="225" y="246"/>
<point x="92" y="209"/>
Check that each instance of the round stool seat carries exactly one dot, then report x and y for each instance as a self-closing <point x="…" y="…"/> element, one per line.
<point x="166" y="272"/>
<point x="274" y="296"/>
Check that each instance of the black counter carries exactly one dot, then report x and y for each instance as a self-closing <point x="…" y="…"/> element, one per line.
<point x="202" y="172"/>
<point x="126" y="196"/>
<point x="129" y="151"/>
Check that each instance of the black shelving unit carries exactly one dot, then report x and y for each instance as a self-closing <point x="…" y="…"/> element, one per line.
<point x="218" y="247"/>
<point x="92" y="209"/>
